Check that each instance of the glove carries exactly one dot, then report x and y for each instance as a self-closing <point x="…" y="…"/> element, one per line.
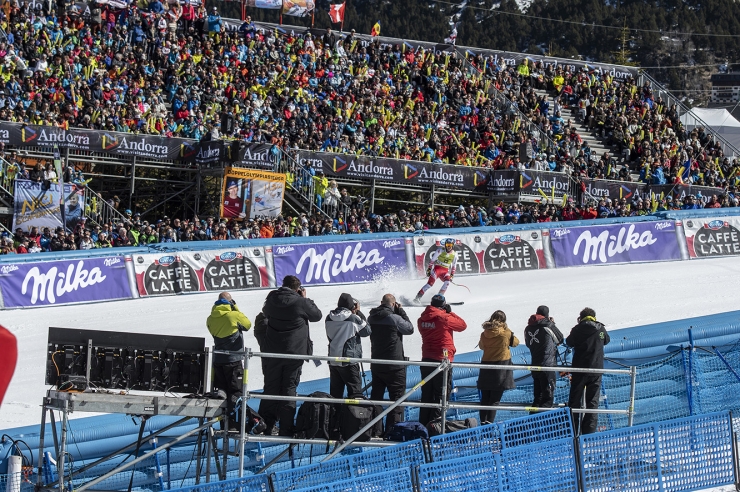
<point x="447" y="308"/>
<point x="429" y="271"/>
<point x="452" y="275"/>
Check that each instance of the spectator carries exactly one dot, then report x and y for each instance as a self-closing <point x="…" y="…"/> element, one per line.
<point x="495" y="342"/>
<point x="344" y="328"/>
<point x="389" y="323"/>
<point x="226" y="324"/>
<point x="542" y="337"/>
<point x="587" y="338"/>
<point x="436" y="326"/>
<point x="288" y="312"/>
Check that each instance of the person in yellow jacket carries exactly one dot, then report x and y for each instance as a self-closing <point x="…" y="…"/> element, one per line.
<point x="320" y="184"/>
<point x="226" y="324"/>
<point x="495" y="342"/>
<point x="523" y="69"/>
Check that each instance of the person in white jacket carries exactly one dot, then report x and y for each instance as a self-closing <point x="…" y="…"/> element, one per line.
<point x="344" y="327"/>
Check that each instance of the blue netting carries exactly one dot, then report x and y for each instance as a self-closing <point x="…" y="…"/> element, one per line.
<point x="410" y="454"/>
<point x="550" y="465"/>
<point x="394" y="480"/>
<point x="683" y="454"/>
<point x="544" y="426"/>
<point x="475" y="473"/>
<point x="466" y="442"/>
<point x="717" y="378"/>
<point x="253" y="483"/>
<point x="312" y="475"/>
<point x="696" y="452"/>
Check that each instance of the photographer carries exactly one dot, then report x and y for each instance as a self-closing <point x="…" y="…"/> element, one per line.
<point x="344" y="327"/>
<point x="226" y="323"/>
<point x="542" y="338"/>
<point x="389" y="323"/>
<point x="288" y="312"/>
<point x="436" y="325"/>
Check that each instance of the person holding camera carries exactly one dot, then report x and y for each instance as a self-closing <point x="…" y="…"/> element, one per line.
<point x="226" y="324"/>
<point x="495" y="342"/>
<point x="436" y="326"/>
<point x="542" y="337"/>
<point x="389" y="323"/>
<point x="344" y="328"/>
<point x="288" y="312"/>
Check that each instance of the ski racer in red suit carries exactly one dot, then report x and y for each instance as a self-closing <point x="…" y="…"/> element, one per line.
<point x="442" y="267"/>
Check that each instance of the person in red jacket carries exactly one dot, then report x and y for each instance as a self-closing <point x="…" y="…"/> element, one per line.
<point x="436" y="325"/>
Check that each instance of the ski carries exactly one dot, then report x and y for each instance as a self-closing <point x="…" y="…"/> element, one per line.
<point x="410" y="302"/>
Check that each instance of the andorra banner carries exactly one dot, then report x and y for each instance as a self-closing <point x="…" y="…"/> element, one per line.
<point x="617" y="243"/>
<point x="249" y="193"/>
<point x="53" y="283"/>
<point x="712" y="236"/>
<point x="201" y="271"/>
<point x="487" y="252"/>
<point x="345" y="262"/>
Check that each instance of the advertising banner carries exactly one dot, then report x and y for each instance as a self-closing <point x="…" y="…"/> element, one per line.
<point x="619" y="243"/>
<point x="485" y="253"/>
<point x="346" y="262"/>
<point x="544" y="183"/>
<point x="54" y="283"/>
<point x="202" y="271"/>
<point x="259" y="156"/>
<point x="298" y="8"/>
<point x="596" y="189"/>
<point x="715" y="236"/>
<point x="248" y="193"/>
<point x="35" y="206"/>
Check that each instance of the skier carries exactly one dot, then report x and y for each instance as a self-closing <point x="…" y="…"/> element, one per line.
<point x="442" y="267"/>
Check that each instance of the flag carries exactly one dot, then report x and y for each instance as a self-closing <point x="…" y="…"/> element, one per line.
<point x="376" y="29"/>
<point x="336" y="12"/>
<point x="453" y="36"/>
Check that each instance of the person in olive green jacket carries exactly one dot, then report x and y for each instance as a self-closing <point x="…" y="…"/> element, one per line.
<point x="495" y="342"/>
<point x="226" y="323"/>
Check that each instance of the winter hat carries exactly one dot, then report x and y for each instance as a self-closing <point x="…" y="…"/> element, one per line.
<point x="438" y="301"/>
<point x="543" y="311"/>
<point x="346" y="301"/>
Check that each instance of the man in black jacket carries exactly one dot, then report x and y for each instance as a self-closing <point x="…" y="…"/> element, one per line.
<point x="288" y="312"/>
<point x="542" y="338"/>
<point x="389" y="323"/>
<point x="587" y="338"/>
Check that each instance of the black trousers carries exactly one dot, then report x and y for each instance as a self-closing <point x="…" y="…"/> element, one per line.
<point x="228" y="377"/>
<point x="341" y="376"/>
<point x="591" y="383"/>
<point x="431" y="392"/>
<point x="489" y="398"/>
<point x="281" y="378"/>
<point x="395" y="382"/>
<point x="544" y="389"/>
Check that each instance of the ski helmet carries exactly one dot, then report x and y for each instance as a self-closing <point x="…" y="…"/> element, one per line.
<point x="449" y="242"/>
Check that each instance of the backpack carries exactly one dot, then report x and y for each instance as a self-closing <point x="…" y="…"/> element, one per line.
<point x="255" y="423"/>
<point x="315" y="420"/>
<point x="407" y="431"/>
<point x="435" y="426"/>
<point x="352" y="418"/>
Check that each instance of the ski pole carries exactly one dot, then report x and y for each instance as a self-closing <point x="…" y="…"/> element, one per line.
<point x="460" y="285"/>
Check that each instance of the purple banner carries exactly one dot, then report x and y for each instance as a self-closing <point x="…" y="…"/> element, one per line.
<point x="63" y="282"/>
<point x="351" y="261"/>
<point x="619" y="243"/>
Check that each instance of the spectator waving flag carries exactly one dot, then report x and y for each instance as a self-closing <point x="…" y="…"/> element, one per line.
<point x="336" y="12"/>
<point x="684" y="172"/>
<point x="376" y="29"/>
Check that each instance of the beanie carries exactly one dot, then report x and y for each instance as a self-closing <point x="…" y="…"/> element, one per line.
<point x="543" y="311"/>
<point x="438" y="301"/>
<point x="346" y="301"/>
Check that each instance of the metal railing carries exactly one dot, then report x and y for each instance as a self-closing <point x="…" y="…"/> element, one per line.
<point x="99" y="210"/>
<point x="682" y="109"/>
<point x="302" y="183"/>
<point x="443" y="405"/>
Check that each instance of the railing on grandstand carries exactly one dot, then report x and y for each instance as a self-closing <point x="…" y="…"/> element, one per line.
<point x="684" y="111"/>
<point x="99" y="210"/>
<point x="300" y="180"/>
<point x="7" y="180"/>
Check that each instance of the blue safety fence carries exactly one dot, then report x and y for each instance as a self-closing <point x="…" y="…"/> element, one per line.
<point x="474" y="473"/>
<point x="393" y="480"/>
<point x="551" y="465"/>
<point x="252" y="483"/>
<point x="312" y="475"/>
<point x="681" y="454"/>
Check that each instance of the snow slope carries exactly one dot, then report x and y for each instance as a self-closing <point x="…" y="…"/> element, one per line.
<point x="622" y="295"/>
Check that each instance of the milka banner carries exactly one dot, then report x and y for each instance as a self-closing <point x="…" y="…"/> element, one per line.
<point x="34" y="206"/>
<point x="715" y="236"/>
<point x="619" y="243"/>
<point x="248" y="193"/>
<point x="485" y="253"/>
<point x="236" y="269"/>
<point x="54" y="283"/>
<point x="345" y="262"/>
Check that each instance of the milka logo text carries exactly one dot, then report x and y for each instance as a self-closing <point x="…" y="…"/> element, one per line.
<point x="329" y="264"/>
<point x="43" y="285"/>
<point x="604" y="245"/>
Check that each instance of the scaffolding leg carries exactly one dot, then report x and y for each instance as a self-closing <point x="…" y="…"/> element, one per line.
<point x="62" y="447"/>
<point x="158" y="465"/>
<point x="42" y="431"/>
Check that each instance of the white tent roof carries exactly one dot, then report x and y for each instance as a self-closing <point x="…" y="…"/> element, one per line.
<point x="713" y="118"/>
